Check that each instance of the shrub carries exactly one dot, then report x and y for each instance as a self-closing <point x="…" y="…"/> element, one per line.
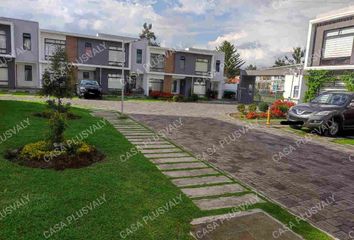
<point x="194" y="98"/>
<point x="252" y="108"/>
<point x="177" y="98"/>
<point x="263" y="106"/>
<point x="241" y="108"/>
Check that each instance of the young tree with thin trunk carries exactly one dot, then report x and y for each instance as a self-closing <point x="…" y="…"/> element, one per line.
<point x="233" y="60"/>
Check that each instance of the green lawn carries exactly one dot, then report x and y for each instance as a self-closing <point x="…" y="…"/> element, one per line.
<point x="133" y="190"/>
<point x="344" y="141"/>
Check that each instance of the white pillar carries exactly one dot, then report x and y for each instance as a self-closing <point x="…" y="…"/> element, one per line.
<point x="220" y="90"/>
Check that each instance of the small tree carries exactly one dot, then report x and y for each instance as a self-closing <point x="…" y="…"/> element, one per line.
<point x="251" y="67"/>
<point x="148" y="34"/>
<point x="233" y="60"/>
<point x="58" y="83"/>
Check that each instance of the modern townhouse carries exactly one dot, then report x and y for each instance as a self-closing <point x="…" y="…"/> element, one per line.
<point x="19" y="53"/>
<point x="105" y="58"/>
<point x="25" y="52"/>
<point x="330" y="45"/>
<point x="170" y="71"/>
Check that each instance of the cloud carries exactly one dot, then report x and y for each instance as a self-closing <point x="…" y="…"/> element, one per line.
<point x="231" y="37"/>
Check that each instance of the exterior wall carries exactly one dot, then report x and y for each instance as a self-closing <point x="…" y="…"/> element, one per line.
<point x="318" y="42"/>
<point x="167" y="84"/>
<point x="20" y="74"/>
<point x="72" y="48"/>
<point x="219" y="76"/>
<point x="43" y="36"/>
<point x="99" y="49"/>
<point x="290" y="82"/>
<point x="104" y="77"/>
<point x="136" y="67"/>
<point x="12" y="74"/>
<point x="190" y="62"/>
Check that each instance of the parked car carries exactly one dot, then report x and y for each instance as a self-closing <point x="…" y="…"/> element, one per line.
<point x="89" y="88"/>
<point x="330" y="112"/>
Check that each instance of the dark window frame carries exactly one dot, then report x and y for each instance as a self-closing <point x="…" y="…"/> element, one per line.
<point x="139" y="56"/>
<point x="28" y="73"/>
<point x="3" y="50"/>
<point x="55" y="42"/>
<point x="27" y="37"/>
<point x="155" y="60"/>
<point x="88" y="49"/>
<point x="83" y="75"/>
<point x="217" y="66"/>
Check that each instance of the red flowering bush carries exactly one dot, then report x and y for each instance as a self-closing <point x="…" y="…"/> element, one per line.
<point x="157" y="94"/>
<point x="280" y="107"/>
<point x="252" y="115"/>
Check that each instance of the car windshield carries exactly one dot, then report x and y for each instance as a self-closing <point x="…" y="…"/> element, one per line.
<point x="89" y="82"/>
<point x="331" y="99"/>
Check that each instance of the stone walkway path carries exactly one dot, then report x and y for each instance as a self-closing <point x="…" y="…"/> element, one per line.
<point x="208" y="188"/>
<point x="202" y="183"/>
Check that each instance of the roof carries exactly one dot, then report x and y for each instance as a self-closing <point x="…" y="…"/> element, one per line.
<point x="336" y="14"/>
<point x="275" y="71"/>
<point x="99" y="36"/>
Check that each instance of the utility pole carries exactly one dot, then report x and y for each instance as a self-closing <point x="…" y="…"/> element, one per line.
<point x="123" y="82"/>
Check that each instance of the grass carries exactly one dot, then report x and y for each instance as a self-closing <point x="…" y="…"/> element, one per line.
<point x="133" y="189"/>
<point x="344" y="141"/>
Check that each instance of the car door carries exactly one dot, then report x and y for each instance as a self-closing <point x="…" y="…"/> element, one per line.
<point x="349" y="115"/>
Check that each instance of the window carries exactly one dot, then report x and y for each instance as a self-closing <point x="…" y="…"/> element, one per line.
<point x="217" y="67"/>
<point x="182" y="62"/>
<point x="4" y="75"/>
<point x="116" y="56"/>
<point x="28" y="73"/>
<point x="86" y="75"/>
<point x="88" y="49"/>
<point x="157" y="62"/>
<point x="174" y="86"/>
<point x="338" y="43"/>
<point x="2" y="42"/>
<point x="155" y="85"/>
<point x="27" y="41"/>
<point x="201" y="66"/>
<point x="51" y="46"/>
<point x="199" y="87"/>
<point x="115" y="81"/>
<point x="296" y="92"/>
<point x="139" y="56"/>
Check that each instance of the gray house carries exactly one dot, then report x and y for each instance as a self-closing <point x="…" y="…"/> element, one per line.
<point x="19" y="53"/>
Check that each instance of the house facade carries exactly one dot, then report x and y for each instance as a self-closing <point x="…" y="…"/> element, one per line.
<point x="19" y="53"/>
<point x="330" y="45"/>
<point x="26" y="50"/>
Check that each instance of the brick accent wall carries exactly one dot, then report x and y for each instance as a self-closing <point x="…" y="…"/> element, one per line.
<point x="71" y="48"/>
<point x="167" y="84"/>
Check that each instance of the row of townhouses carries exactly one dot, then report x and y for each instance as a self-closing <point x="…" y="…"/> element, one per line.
<point x="25" y="51"/>
<point x="330" y="46"/>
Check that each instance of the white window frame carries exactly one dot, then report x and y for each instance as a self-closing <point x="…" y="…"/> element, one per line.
<point x="115" y="81"/>
<point x="336" y="39"/>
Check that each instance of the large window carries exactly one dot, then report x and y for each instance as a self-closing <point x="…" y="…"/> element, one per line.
<point x="28" y="73"/>
<point x="116" y="56"/>
<point x="182" y="62"/>
<point x="115" y="81"/>
<point x="157" y="62"/>
<point x="201" y="66"/>
<point x="2" y="42"/>
<point x="338" y="43"/>
<point x="156" y="85"/>
<point x="139" y="56"/>
<point x="51" y="46"/>
<point x="4" y="75"/>
<point x="26" y="42"/>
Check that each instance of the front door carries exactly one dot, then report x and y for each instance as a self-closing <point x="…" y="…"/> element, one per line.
<point x="182" y="87"/>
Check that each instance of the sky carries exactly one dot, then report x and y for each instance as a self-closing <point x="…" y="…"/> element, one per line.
<point x="262" y="30"/>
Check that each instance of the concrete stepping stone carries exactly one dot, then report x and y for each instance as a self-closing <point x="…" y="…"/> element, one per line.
<point x="190" y="173"/>
<point x="149" y="143"/>
<point x="174" y="160"/>
<point x="161" y="146"/>
<point x="227" y="202"/>
<point x="141" y="138"/>
<point x="212" y="190"/>
<point x="166" y="155"/>
<point x="139" y="134"/>
<point x="168" y="150"/>
<point x="188" y="182"/>
<point x="182" y="166"/>
<point x="248" y="225"/>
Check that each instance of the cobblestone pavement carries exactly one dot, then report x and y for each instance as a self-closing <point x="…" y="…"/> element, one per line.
<point x="311" y="180"/>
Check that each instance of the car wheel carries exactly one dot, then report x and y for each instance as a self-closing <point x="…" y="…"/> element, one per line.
<point x="333" y="128"/>
<point x="297" y="127"/>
